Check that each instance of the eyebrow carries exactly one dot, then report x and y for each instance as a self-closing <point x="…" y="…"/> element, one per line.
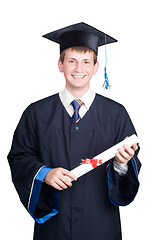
<point x="71" y="58"/>
<point x="85" y="59"/>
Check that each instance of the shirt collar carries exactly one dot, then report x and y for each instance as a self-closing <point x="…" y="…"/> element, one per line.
<point x="88" y="98"/>
<point x="67" y="98"/>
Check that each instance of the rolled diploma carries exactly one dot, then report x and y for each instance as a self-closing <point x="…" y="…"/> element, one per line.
<point x="104" y="156"/>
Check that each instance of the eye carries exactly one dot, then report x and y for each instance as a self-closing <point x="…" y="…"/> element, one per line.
<point x="86" y="62"/>
<point x="71" y="61"/>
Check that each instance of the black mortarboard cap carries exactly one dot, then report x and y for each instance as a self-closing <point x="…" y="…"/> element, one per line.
<point x="80" y="34"/>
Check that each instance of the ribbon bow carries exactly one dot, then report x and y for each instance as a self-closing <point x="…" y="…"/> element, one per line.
<point x="94" y="162"/>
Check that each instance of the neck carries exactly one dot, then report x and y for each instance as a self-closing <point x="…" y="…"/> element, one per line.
<point x="77" y="92"/>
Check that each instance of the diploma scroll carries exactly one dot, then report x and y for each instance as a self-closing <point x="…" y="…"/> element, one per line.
<point x="89" y="164"/>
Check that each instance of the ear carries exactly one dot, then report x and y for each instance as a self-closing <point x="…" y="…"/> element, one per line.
<point x="60" y="66"/>
<point x="96" y="67"/>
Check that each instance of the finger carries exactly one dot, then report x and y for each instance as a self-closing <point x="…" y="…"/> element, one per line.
<point x="60" y="184"/>
<point x="128" y="150"/>
<point x="56" y="186"/>
<point x="119" y="158"/>
<point x="124" y="154"/>
<point x="69" y="174"/>
<point x="66" y="181"/>
<point x="134" y="147"/>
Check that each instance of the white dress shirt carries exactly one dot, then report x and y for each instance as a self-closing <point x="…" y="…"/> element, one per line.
<point x="88" y="98"/>
<point x="66" y="99"/>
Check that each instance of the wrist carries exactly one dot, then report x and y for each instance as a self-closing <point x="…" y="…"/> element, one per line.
<point x="121" y="168"/>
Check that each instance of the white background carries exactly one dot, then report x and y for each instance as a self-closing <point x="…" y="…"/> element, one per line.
<point x="29" y="72"/>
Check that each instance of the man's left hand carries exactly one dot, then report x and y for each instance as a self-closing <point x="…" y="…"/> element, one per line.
<point x="126" y="153"/>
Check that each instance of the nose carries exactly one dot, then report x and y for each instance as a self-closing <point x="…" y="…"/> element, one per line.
<point x="78" y="67"/>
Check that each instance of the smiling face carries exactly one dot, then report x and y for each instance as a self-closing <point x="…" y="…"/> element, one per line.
<point x="78" y="69"/>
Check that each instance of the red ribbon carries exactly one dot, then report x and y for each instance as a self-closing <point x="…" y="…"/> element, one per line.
<point x="94" y="162"/>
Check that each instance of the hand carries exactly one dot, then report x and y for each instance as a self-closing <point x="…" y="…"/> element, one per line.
<point x="126" y="153"/>
<point x="57" y="178"/>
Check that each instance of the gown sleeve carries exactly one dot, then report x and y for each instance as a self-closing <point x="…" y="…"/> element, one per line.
<point x="28" y="171"/>
<point x="123" y="188"/>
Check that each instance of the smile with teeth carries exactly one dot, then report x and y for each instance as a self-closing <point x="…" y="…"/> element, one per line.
<point x="78" y="76"/>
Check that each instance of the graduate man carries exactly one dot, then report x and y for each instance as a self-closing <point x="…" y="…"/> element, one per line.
<point x="55" y="133"/>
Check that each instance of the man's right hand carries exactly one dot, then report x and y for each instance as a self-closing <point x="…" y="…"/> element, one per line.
<point x="57" y="178"/>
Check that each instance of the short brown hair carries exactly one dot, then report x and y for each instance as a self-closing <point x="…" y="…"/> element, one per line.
<point x="78" y="49"/>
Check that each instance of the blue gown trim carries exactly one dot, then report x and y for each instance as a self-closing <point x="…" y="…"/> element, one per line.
<point x="136" y="174"/>
<point x="35" y="193"/>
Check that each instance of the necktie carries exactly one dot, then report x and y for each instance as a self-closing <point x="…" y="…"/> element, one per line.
<point x="77" y="103"/>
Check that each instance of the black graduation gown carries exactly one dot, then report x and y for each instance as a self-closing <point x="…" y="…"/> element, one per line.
<point x="47" y="138"/>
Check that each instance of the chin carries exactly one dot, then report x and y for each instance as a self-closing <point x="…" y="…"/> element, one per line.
<point x="78" y="86"/>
